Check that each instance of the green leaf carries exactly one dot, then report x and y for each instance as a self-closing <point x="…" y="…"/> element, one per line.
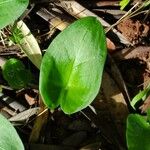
<point x="71" y="69"/>
<point x="137" y="133"/>
<point x="148" y="115"/>
<point x="9" y="139"/>
<point x="142" y="95"/>
<point x="123" y="3"/>
<point x="15" y="74"/>
<point x="10" y="10"/>
<point x="28" y="43"/>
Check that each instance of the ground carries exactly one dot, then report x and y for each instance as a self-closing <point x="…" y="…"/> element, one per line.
<point x="127" y="71"/>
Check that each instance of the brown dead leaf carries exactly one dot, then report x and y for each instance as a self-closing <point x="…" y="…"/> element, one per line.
<point x="110" y="45"/>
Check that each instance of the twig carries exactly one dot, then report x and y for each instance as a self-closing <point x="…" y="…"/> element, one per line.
<point x="130" y="14"/>
<point x="111" y="11"/>
<point x="78" y="11"/>
<point x="122" y="18"/>
<point x="107" y="3"/>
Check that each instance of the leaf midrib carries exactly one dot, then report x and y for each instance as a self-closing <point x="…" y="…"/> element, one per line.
<point x="73" y="64"/>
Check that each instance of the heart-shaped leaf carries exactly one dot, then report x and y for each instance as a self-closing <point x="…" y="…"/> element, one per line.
<point x="71" y="70"/>
<point x="9" y="139"/>
<point x="138" y="133"/>
<point x="10" y="10"/>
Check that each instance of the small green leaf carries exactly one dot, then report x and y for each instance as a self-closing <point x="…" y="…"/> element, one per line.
<point x="137" y="133"/>
<point x="15" y="74"/>
<point x="123" y="3"/>
<point x="71" y="69"/>
<point x="9" y="139"/>
<point x="10" y="10"/>
<point x="142" y="95"/>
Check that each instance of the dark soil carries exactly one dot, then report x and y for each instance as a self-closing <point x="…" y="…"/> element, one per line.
<point x="135" y="30"/>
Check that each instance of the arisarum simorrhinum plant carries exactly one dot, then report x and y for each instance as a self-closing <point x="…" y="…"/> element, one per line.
<point x="72" y="67"/>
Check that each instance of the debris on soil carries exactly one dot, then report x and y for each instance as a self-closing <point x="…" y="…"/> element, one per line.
<point x="134" y="31"/>
<point x="123" y="77"/>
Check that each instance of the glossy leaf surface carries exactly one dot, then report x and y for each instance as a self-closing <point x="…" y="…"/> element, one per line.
<point x="10" y="10"/>
<point x="72" y="67"/>
<point x="138" y="133"/>
<point x="9" y="139"/>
